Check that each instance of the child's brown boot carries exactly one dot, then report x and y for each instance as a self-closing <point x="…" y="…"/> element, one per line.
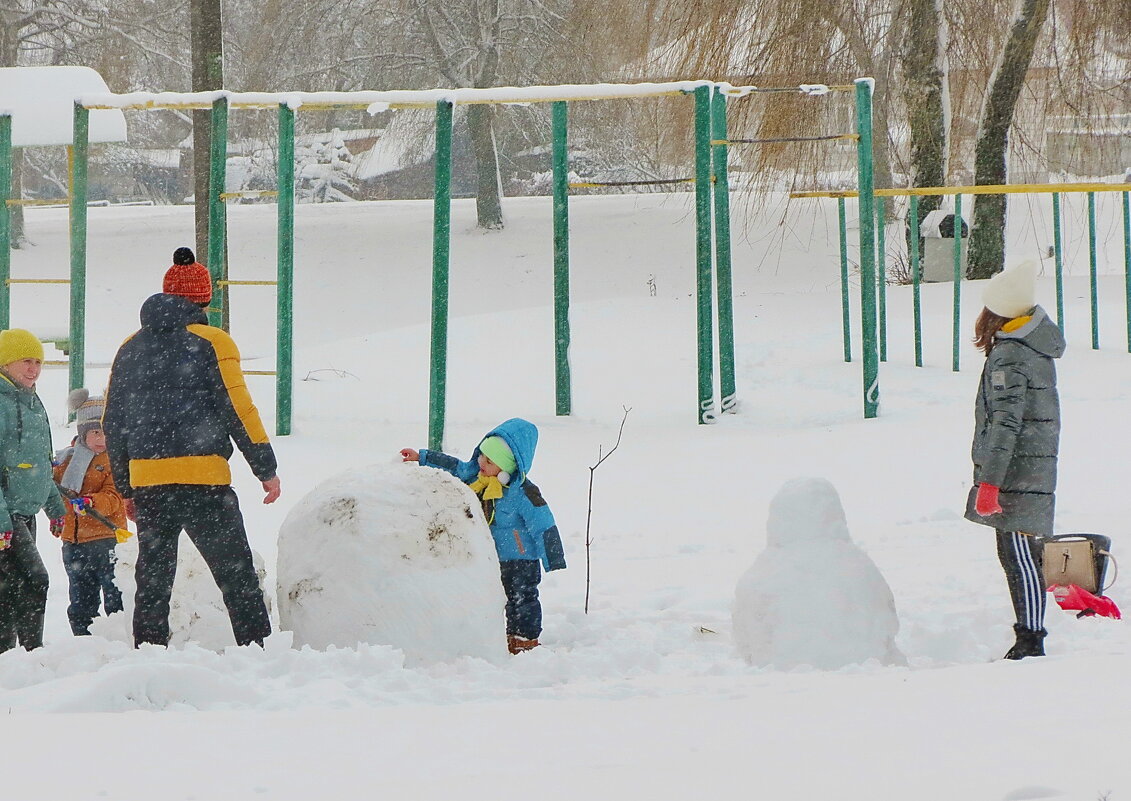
<point x="516" y="644"/>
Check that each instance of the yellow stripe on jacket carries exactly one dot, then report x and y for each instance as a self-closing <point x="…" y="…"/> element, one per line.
<point x="212" y="469"/>
<point x="228" y="359"/>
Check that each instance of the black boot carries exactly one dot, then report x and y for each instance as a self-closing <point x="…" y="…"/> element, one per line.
<point x="1029" y="643"/>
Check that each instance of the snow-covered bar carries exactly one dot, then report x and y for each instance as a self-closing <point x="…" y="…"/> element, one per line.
<point x="395" y="98"/>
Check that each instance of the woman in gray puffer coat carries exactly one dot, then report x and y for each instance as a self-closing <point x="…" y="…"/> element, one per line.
<point x="1016" y="439"/>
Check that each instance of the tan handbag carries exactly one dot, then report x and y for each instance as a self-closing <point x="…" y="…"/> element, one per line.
<point x="1079" y="559"/>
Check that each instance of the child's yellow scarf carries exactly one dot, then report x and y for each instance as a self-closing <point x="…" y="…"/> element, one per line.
<point x="489" y="488"/>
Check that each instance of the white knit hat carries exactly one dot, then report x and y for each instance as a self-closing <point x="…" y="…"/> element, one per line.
<point x="1012" y="292"/>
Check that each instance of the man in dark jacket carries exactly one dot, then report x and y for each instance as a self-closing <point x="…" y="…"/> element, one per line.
<point x="176" y="401"/>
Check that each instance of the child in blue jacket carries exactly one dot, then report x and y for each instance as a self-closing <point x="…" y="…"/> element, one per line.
<point x="526" y="537"/>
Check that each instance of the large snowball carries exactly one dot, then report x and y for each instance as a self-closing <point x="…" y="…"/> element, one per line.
<point x="394" y="555"/>
<point x="196" y="611"/>
<point x="812" y="597"/>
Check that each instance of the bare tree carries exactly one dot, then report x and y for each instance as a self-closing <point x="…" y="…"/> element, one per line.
<point x="924" y="72"/>
<point x="601" y="457"/>
<point x="206" y="25"/>
<point x="39" y="32"/>
<point x="987" y="240"/>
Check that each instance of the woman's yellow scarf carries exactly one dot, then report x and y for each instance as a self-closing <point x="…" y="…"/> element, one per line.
<point x="489" y="488"/>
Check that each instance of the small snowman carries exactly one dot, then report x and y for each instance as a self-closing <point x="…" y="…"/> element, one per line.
<point x="813" y="597"/>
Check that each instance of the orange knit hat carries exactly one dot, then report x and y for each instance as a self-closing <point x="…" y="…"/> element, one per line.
<point x="188" y="278"/>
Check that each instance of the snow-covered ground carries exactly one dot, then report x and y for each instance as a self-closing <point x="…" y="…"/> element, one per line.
<point x="645" y="696"/>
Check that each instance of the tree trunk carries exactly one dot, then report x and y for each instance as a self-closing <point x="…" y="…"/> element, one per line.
<point x="488" y="197"/>
<point x="481" y="119"/>
<point x="924" y="70"/>
<point x="207" y="74"/>
<point x="987" y="237"/>
<point x="9" y="50"/>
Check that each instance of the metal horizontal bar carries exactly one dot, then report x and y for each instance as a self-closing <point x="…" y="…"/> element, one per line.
<point x="988" y="189"/>
<point x="250" y="193"/>
<point x="38" y="281"/>
<point x="28" y="201"/>
<point x="659" y="182"/>
<point x="776" y="140"/>
<point x="247" y="283"/>
<point x="397" y="98"/>
<point x="259" y="372"/>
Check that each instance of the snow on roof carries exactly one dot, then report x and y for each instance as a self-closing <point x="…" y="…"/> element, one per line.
<point x="41" y="102"/>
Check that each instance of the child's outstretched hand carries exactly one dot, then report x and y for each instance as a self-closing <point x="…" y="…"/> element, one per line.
<point x="409" y="455"/>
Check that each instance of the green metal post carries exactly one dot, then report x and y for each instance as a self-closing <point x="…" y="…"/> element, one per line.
<point x="284" y="345"/>
<point x="1092" y="270"/>
<point x="706" y="411"/>
<point x="956" y="335"/>
<point x="881" y="277"/>
<point x="5" y="219"/>
<point x="845" y="317"/>
<point x="1058" y="259"/>
<point x="1127" y="261"/>
<point x="216" y="211"/>
<point x="441" y="241"/>
<point x="916" y="299"/>
<point x="724" y="287"/>
<point x="562" y="379"/>
<point x="867" y="215"/>
<point x="76" y="358"/>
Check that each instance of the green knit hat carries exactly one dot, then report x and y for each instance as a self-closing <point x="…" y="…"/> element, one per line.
<point x="495" y="449"/>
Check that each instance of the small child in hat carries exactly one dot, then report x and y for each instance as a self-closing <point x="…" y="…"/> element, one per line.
<point x="526" y="537"/>
<point x="83" y="473"/>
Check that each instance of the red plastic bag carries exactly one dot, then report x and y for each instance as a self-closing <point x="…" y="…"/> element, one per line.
<point x="1072" y="598"/>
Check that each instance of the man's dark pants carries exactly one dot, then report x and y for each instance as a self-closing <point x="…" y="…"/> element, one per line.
<point x="210" y="515"/>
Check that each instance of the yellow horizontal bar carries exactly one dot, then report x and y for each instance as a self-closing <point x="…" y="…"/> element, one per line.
<point x="988" y="189"/>
<point x="38" y="281"/>
<point x="250" y="193"/>
<point x="17" y="201"/>
<point x="56" y="362"/>
<point x="247" y="283"/>
<point x="259" y="372"/>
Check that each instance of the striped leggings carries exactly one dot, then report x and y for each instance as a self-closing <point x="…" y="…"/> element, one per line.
<point x="1021" y="556"/>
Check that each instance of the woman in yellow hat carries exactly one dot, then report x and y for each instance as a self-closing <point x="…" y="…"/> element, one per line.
<point x="26" y="486"/>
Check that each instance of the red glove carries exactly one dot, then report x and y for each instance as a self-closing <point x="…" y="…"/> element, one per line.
<point x="5" y="540"/>
<point x="130" y="509"/>
<point x="986" y="503"/>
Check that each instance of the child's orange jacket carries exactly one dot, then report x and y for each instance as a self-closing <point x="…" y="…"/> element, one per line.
<point x="98" y="485"/>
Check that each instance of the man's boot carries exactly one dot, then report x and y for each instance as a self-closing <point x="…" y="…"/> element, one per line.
<point x="1029" y="643"/>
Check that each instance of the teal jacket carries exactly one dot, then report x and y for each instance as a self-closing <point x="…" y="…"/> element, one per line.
<point x="26" y="482"/>
<point x="521" y="522"/>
